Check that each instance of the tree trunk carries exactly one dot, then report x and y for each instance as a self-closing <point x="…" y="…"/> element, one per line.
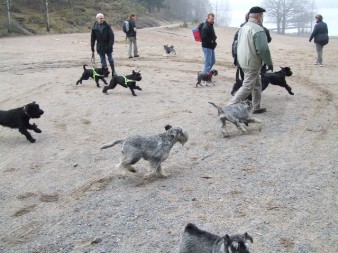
<point x="8" y="2"/>
<point x="284" y="18"/>
<point x="47" y="16"/>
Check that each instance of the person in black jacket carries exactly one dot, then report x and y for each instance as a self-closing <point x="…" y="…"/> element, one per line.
<point x="131" y="36"/>
<point x="209" y="44"/>
<point x="321" y="35"/>
<point x="103" y="35"/>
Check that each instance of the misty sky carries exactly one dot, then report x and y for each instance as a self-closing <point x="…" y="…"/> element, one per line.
<point x="327" y="8"/>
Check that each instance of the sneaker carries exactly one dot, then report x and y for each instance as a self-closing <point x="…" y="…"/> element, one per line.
<point x="130" y="57"/>
<point x="321" y="65"/>
<point x="262" y="110"/>
<point x="136" y="55"/>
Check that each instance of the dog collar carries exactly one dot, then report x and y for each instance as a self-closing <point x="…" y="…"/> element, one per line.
<point x="25" y="111"/>
<point x="95" y="74"/>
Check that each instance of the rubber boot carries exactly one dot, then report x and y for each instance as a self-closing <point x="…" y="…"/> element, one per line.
<point x="113" y="70"/>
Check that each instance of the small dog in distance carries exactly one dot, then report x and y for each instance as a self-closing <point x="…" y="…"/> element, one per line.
<point x="128" y="81"/>
<point x="236" y="114"/>
<point x="169" y="50"/>
<point x="207" y="77"/>
<point x="95" y="73"/>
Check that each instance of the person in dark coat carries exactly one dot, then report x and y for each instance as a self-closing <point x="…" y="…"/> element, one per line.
<point x="103" y="35"/>
<point x="321" y="38"/>
<point x="209" y="44"/>
<point x="131" y="36"/>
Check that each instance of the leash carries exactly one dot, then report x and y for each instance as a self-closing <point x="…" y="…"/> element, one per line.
<point x="93" y="58"/>
<point x="96" y="74"/>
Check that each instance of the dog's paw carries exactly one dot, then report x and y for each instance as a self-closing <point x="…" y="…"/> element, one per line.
<point x="32" y="140"/>
<point x="37" y="130"/>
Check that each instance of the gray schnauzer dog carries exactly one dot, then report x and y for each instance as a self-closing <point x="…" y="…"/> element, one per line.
<point x="154" y="149"/>
<point x="207" y="77"/>
<point x="236" y="114"/>
<point x="169" y="50"/>
<point x="195" y="240"/>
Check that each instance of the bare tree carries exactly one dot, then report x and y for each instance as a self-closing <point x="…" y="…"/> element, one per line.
<point x="45" y="9"/>
<point x="222" y="13"/>
<point x="8" y="3"/>
<point x="286" y="13"/>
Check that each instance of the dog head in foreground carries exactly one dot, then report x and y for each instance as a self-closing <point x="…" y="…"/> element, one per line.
<point x="195" y="240"/>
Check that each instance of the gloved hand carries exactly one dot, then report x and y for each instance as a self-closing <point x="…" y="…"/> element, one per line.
<point x="270" y="67"/>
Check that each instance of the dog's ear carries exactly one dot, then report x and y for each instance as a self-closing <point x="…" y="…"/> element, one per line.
<point x="167" y="127"/>
<point x="33" y="102"/>
<point x="226" y="239"/>
<point x="247" y="238"/>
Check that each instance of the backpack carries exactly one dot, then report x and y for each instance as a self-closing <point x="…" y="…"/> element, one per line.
<point x="197" y="32"/>
<point x="125" y="26"/>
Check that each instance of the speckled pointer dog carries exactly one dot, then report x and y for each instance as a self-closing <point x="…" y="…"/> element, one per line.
<point x="236" y="114"/>
<point x="195" y="240"/>
<point x="154" y="149"/>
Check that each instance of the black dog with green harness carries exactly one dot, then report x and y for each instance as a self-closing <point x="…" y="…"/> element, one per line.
<point x="128" y="81"/>
<point x="95" y="73"/>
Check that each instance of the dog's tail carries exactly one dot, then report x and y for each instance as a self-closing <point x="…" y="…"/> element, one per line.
<point x="219" y="109"/>
<point x="84" y="66"/>
<point x="111" y="144"/>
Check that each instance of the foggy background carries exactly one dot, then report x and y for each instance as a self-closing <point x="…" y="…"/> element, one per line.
<point x="327" y="8"/>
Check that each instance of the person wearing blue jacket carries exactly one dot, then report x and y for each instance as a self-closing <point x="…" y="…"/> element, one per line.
<point x="321" y="38"/>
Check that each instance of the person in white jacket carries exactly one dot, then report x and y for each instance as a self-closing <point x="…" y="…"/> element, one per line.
<point x="252" y="51"/>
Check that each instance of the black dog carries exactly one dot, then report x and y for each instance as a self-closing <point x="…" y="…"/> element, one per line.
<point x="201" y="76"/>
<point x="97" y="74"/>
<point x="128" y="81"/>
<point x="19" y="118"/>
<point x="169" y="50"/>
<point x="276" y="78"/>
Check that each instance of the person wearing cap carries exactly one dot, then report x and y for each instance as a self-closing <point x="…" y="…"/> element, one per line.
<point x="103" y="35"/>
<point x="321" y="35"/>
<point x="209" y="44"/>
<point x="234" y="47"/>
<point x="252" y="52"/>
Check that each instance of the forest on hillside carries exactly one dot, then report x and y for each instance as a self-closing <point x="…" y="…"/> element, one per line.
<point x="42" y="16"/>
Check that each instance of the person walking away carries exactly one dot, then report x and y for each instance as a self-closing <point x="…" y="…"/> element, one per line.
<point x="209" y="44"/>
<point x="131" y="36"/>
<point x="103" y="36"/>
<point x="252" y="51"/>
<point x="321" y="35"/>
